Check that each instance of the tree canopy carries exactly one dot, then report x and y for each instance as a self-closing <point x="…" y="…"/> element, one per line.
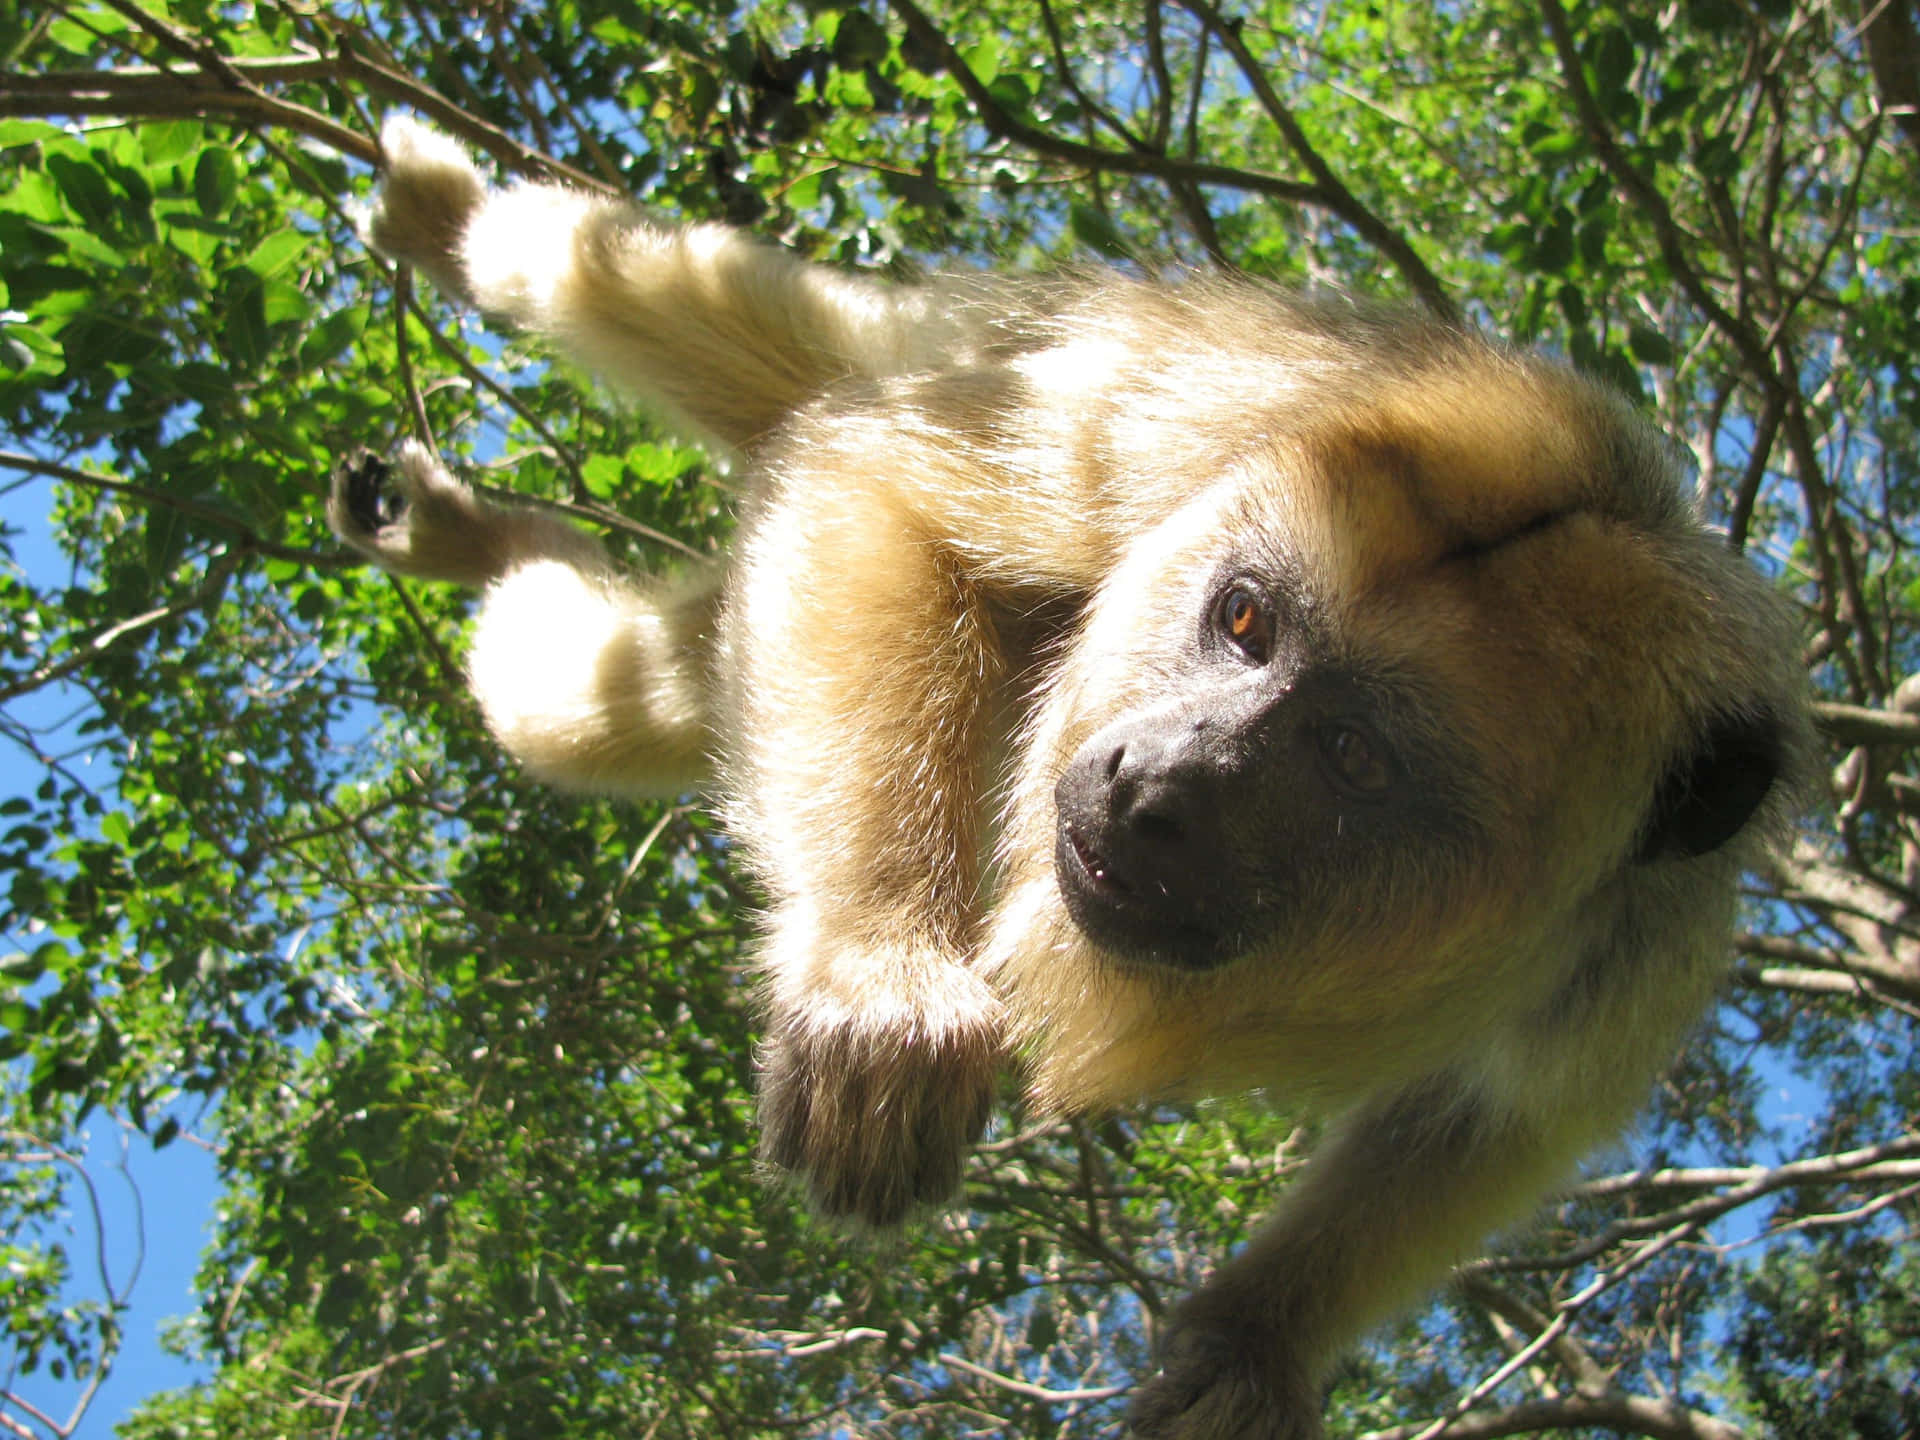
<point x="475" y="1058"/>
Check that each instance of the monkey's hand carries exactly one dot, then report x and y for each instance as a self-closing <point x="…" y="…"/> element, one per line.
<point x="872" y="1105"/>
<point x="429" y="194"/>
<point x="1224" y="1377"/>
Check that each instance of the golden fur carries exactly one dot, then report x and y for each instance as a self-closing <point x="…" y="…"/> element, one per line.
<point x="1174" y="689"/>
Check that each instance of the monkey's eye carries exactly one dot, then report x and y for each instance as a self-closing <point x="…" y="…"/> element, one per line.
<point x="1359" y="760"/>
<point x="1243" y="618"/>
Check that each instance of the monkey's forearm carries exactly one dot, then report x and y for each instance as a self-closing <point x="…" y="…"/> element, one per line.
<point x="411" y="517"/>
<point x="882" y="1045"/>
<point x="1401" y="1190"/>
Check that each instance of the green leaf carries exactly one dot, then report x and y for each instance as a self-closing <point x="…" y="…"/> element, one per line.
<point x="1716" y="158"/>
<point x="168" y="142"/>
<point x="282" y="301"/>
<point x="1011" y="92"/>
<point x="85" y="190"/>
<point x="84" y="244"/>
<point x="804" y="193"/>
<point x="1557" y="145"/>
<point x="1043" y="1328"/>
<point x="1095" y="229"/>
<point x="104" y="341"/>
<point x="15" y="133"/>
<point x="1592" y="242"/>
<point x="848" y="89"/>
<point x="332" y="335"/>
<point x="603" y="474"/>
<point x="22" y="969"/>
<point x="74" y="39"/>
<point x="273" y="254"/>
<point x="1613" y="60"/>
<point x="164" y="540"/>
<point x="216" y="181"/>
<point x="61" y="1076"/>
<point x="859" y="40"/>
<point x="1553" y="248"/>
<point x="311" y="602"/>
<point x="27" y="348"/>
<point x="983" y="59"/>
<point x="1649" y="346"/>
<point x="245" y="311"/>
<point x="1573" y="305"/>
<point x="197" y="242"/>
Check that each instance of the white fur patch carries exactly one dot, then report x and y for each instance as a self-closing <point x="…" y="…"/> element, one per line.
<point x="519" y="250"/>
<point x="536" y="654"/>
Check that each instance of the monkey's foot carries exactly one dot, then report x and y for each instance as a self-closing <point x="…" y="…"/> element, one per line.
<point x="374" y="500"/>
<point x="1224" y="1384"/>
<point x="875" y="1117"/>
<point x="413" y="517"/>
<point x="429" y="191"/>
<point x="366" y="497"/>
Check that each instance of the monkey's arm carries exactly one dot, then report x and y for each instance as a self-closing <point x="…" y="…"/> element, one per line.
<point x="593" y="680"/>
<point x="869" y="667"/>
<point x="1406" y="1187"/>
<point x="727" y="333"/>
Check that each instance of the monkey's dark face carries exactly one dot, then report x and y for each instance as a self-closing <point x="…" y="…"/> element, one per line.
<point x="1201" y="828"/>
<point x="1361" y="708"/>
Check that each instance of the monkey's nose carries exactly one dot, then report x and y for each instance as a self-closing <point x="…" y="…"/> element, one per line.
<point x="1149" y="803"/>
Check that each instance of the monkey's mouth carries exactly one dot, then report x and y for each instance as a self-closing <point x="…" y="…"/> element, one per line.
<point x="1127" y="914"/>
<point x="1092" y="862"/>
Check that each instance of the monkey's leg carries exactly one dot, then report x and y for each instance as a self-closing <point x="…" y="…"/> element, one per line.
<point x="868" y="668"/>
<point x="592" y="679"/>
<point x="1402" y="1190"/>
<point x="728" y="333"/>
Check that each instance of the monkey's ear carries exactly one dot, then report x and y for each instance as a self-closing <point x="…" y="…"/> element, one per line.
<point x="1711" y="792"/>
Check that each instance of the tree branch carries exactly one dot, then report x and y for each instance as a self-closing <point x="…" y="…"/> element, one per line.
<point x="1617" y="1410"/>
<point x="245" y="536"/>
<point x="1750" y="1185"/>
<point x="1333" y="195"/>
<point x="1091" y="157"/>
<point x="1034" y="1392"/>
<point x="1852" y="725"/>
<point x="139" y="90"/>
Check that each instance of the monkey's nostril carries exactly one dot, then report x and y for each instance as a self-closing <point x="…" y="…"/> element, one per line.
<point x="1115" y="761"/>
<point x="1159" y="830"/>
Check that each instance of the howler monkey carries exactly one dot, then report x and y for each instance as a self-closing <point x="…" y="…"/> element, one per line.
<point x="1165" y="689"/>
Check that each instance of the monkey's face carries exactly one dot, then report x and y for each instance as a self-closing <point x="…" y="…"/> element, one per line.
<point x="1276" y="781"/>
<point x="1350" y="742"/>
<point x="1257" y="760"/>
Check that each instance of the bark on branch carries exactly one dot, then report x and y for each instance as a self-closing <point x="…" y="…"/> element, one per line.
<point x="137" y="91"/>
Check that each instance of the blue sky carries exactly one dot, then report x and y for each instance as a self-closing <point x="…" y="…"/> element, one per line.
<point x="176" y="1187"/>
<point x="177" y="1191"/>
